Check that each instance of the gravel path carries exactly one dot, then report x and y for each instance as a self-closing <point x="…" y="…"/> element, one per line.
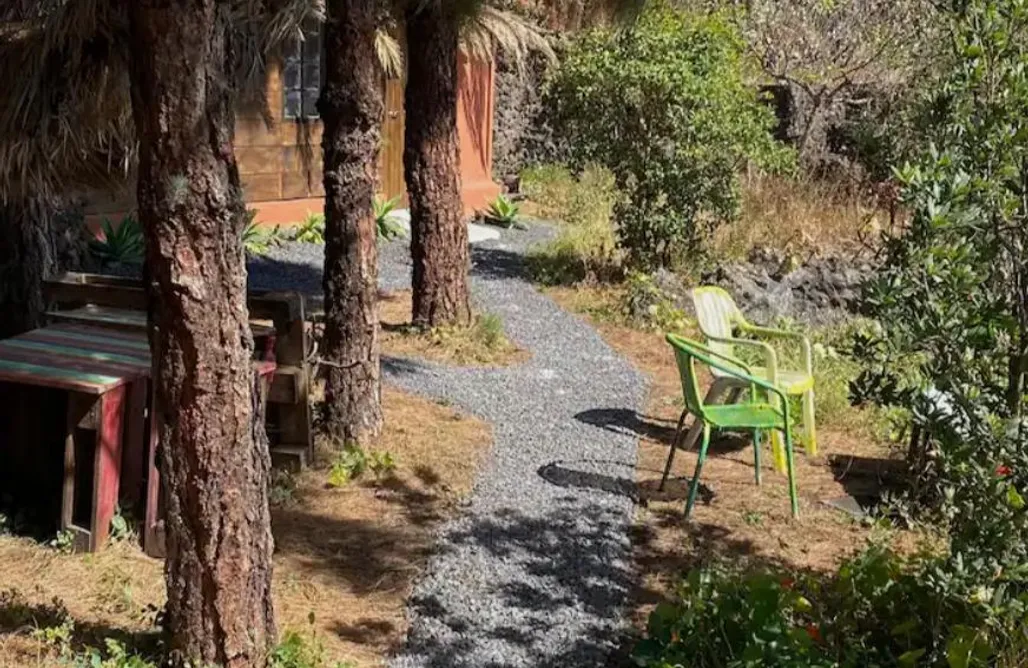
<point x="535" y="571"/>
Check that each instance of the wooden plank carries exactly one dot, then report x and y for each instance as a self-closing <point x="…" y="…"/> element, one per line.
<point x="285" y="386"/>
<point x="123" y="372"/>
<point x="64" y="379"/>
<point x="133" y="460"/>
<point x="109" y="291"/>
<point x="57" y="340"/>
<point x="107" y="466"/>
<point x="116" y="318"/>
<point x="93" y="335"/>
<point x="65" y="351"/>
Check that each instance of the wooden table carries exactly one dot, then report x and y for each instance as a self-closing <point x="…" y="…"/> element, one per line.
<point x="104" y="373"/>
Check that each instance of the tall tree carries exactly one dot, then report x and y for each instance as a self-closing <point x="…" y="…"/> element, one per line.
<point x="215" y="471"/>
<point x="439" y="237"/>
<point x="351" y="108"/>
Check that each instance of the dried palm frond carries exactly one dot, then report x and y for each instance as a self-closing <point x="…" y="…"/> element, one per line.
<point x="390" y="53"/>
<point x="490" y="29"/>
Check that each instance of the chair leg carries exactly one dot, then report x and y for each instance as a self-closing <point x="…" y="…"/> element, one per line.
<point x="695" y="485"/>
<point x="671" y="453"/>
<point x="757" y="445"/>
<point x="809" y="427"/>
<point x="792" y="476"/>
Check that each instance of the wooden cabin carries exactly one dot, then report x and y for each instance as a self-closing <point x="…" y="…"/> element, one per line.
<point x="270" y="159"/>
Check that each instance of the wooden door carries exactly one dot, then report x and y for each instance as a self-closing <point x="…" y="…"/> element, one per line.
<point x="391" y="158"/>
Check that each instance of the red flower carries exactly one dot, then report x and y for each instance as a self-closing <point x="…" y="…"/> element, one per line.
<point x="1003" y="470"/>
<point x="814" y="633"/>
<point x="788" y="583"/>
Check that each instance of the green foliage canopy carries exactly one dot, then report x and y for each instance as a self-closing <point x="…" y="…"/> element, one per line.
<point x="666" y="106"/>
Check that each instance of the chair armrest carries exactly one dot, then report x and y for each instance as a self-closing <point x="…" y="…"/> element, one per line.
<point x="771" y="333"/>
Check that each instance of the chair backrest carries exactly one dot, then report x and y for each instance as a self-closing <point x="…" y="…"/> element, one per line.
<point x="717" y="316"/>
<point x="686" y="354"/>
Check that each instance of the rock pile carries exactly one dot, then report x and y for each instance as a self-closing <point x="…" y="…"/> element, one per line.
<point x="771" y="285"/>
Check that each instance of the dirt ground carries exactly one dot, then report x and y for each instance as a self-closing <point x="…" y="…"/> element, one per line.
<point x="344" y="557"/>
<point x="733" y="518"/>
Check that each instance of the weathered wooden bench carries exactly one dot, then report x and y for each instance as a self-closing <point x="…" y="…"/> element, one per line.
<point x="104" y="377"/>
<point x="280" y="330"/>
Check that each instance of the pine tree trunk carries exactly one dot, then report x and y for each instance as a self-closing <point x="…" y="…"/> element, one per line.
<point x="351" y="110"/>
<point x="439" y="236"/>
<point x="214" y="471"/>
<point x="28" y="255"/>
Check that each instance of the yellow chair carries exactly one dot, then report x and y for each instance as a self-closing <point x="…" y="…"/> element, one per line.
<point x="719" y="319"/>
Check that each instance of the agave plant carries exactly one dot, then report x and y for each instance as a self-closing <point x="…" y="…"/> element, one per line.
<point x="122" y="244"/>
<point x="503" y="212"/>
<point x="311" y="230"/>
<point x="385" y="223"/>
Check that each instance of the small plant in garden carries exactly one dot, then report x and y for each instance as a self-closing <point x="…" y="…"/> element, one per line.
<point x="504" y="212"/>
<point x="283" y="488"/>
<point x="63" y="541"/>
<point x="122" y="244"/>
<point x="258" y="239"/>
<point x="386" y="226"/>
<point x="353" y="461"/>
<point x="311" y="229"/>
<point x="296" y="650"/>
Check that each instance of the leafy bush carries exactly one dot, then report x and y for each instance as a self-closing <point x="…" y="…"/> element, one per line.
<point x="385" y="225"/>
<point x="311" y="229"/>
<point x="665" y="105"/>
<point x="123" y="244"/>
<point x="503" y="212"/>
<point x="879" y="609"/>
<point x="952" y="345"/>
<point x="583" y="207"/>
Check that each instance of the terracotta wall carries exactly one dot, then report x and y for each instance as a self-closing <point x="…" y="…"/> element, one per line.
<point x="283" y="188"/>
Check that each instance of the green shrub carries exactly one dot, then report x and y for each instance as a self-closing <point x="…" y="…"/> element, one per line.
<point x="123" y="244"/>
<point x="583" y="208"/>
<point x="878" y="609"/>
<point x="668" y="107"/>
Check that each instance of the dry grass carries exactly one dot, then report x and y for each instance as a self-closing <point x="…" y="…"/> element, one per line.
<point x="348" y="556"/>
<point x="482" y="344"/>
<point x="743" y="522"/>
<point x="802" y="217"/>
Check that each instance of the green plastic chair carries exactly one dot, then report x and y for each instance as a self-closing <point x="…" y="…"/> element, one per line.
<point x="757" y="414"/>
<point x="719" y="319"/>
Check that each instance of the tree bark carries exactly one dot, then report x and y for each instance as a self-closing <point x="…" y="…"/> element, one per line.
<point x="214" y="471"/>
<point x="439" y="236"/>
<point x="28" y="255"/>
<point x="351" y="110"/>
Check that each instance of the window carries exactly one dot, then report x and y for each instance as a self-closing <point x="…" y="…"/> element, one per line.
<point x="301" y="74"/>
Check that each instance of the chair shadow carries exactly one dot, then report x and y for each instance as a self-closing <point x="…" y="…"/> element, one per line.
<point x="627" y="422"/>
<point x="575" y="474"/>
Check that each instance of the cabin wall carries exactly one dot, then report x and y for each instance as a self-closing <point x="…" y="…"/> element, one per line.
<point x="284" y="185"/>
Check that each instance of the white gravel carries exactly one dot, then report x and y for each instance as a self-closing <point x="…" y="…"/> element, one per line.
<point x="536" y="569"/>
